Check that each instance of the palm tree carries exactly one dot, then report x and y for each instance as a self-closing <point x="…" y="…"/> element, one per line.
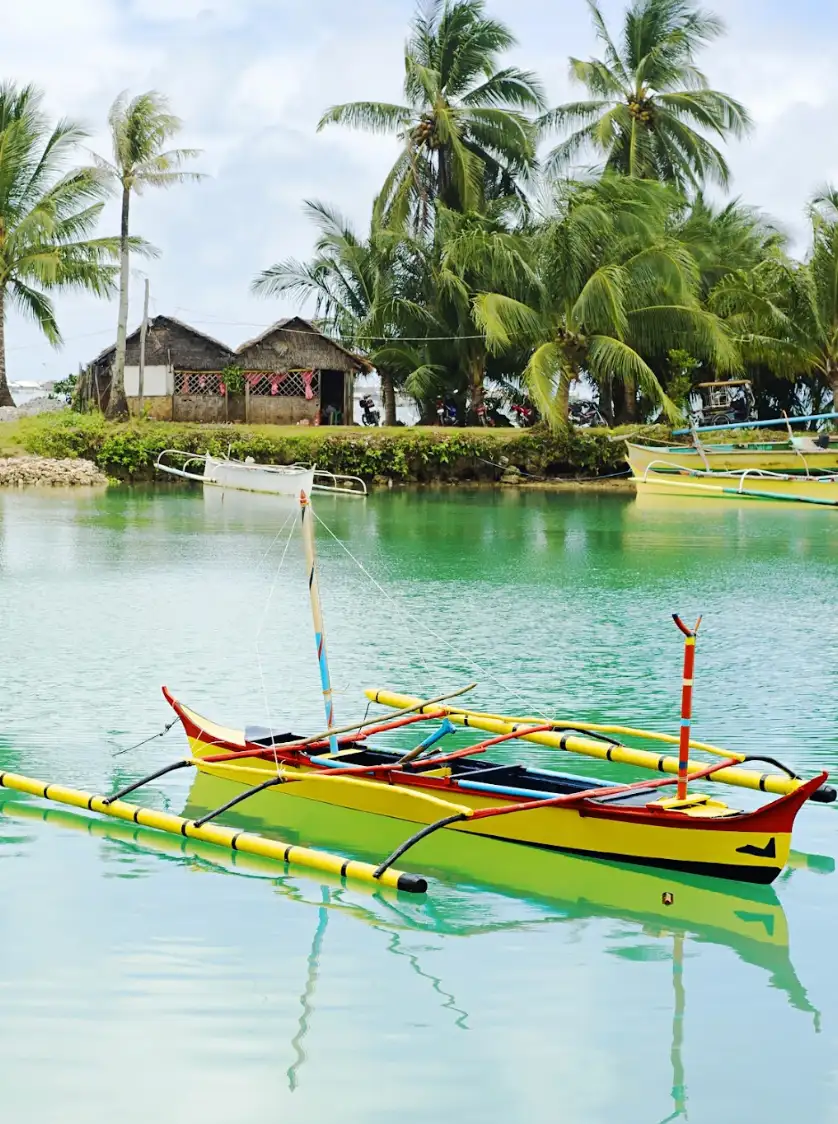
<point x="140" y="130"/>
<point x="464" y="127"/>
<point x="360" y="290"/>
<point x="472" y="253"/>
<point x="785" y="313"/>
<point x="649" y="106"/>
<point x="47" y="217"/>
<point x="617" y="292"/>
<point x="728" y="238"/>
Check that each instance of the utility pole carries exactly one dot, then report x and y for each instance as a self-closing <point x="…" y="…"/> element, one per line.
<point x="143" y="330"/>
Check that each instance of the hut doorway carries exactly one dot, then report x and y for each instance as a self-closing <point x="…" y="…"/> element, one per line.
<point x="331" y="398"/>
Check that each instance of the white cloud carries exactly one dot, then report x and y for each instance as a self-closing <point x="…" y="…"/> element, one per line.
<point x="250" y="78"/>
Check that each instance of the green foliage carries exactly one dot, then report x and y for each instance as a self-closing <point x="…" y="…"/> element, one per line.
<point x="128" y="451"/>
<point x="649" y="107"/>
<point x="682" y="366"/>
<point x="465" y="127"/>
<point x="47" y="216"/>
<point x="65" y="389"/>
<point x="233" y="379"/>
<point x="617" y="289"/>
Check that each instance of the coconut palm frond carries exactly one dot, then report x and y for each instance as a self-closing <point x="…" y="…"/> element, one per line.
<point x="652" y="102"/>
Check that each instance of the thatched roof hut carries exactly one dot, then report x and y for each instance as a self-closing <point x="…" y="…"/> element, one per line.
<point x="291" y="372"/>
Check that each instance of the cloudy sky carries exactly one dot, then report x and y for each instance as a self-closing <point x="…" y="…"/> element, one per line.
<point x="250" y="78"/>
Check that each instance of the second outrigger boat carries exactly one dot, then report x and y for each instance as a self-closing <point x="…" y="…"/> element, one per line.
<point x="525" y="807"/>
<point x="803" y="469"/>
<point x="286" y="480"/>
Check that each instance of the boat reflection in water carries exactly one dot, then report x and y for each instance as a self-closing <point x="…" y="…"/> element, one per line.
<point x="747" y="918"/>
<point x="549" y="888"/>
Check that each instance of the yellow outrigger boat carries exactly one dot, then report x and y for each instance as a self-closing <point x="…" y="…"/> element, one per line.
<point x="799" y="456"/>
<point x="666" y="475"/>
<point x="526" y="807"/>
<point x="559" y="812"/>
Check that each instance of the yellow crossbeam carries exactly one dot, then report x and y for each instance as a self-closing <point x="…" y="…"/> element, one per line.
<point x="774" y="783"/>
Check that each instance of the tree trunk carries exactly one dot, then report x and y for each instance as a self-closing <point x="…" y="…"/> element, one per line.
<point x="629" y="400"/>
<point x="563" y="398"/>
<point x="117" y="404"/>
<point x="476" y="384"/>
<point x="831" y="378"/>
<point x="606" y="400"/>
<point x="5" y="394"/>
<point x="388" y="395"/>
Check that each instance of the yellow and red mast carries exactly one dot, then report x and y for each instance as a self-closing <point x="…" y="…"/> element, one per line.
<point x="686" y="703"/>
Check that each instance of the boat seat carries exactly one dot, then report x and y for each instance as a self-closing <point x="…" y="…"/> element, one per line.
<point x="263" y="735"/>
<point x="637" y="796"/>
<point x="499" y="773"/>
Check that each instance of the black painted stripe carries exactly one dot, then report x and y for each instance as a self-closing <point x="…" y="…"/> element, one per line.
<point x="90" y="803"/>
<point x="741" y="872"/>
<point x="762" y="781"/>
<point x="136" y="815"/>
<point x="609" y="752"/>
<point x="661" y="766"/>
<point x="343" y="869"/>
<point x="234" y="840"/>
<point x="183" y="827"/>
<point x="288" y="851"/>
<point x="2" y="779"/>
<point x="563" y="741"/>
<point x="45" y="793"/>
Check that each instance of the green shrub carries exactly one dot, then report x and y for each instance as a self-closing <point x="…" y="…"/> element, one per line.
<point x="128" y="451"/>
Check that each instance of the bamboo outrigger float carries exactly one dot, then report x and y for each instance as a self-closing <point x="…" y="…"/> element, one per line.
<point x="525" y="807"/>
<point x="226" y="837"/>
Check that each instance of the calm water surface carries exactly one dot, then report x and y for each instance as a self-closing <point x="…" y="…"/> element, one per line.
<point x="141" y="980"/>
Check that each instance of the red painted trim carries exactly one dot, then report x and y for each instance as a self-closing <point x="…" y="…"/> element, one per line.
<point x="776" y="817"/>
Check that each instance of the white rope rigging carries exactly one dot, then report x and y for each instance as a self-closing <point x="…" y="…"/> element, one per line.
<point x="482" y="671"/>
<point x="259" y="631"/>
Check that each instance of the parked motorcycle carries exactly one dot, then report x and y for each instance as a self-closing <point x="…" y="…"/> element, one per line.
<point x="586" y="413"/>
<point x="370" y="415"/>
<point x="446" y="412"/>
<point x="488" y="413"/>
<point x="525" y="416"/>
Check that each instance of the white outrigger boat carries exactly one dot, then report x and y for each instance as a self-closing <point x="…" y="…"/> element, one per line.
<point x="248" y="476"/>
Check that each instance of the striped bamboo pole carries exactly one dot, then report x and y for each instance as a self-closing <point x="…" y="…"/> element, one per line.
<point x="229" y="837"/>
<point x="317" y="617"/>
<point x="775" y="783"/>
<point x="686" y="704"/>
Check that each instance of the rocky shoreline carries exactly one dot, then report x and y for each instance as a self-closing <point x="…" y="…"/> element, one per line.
<point x="45" y="472"/>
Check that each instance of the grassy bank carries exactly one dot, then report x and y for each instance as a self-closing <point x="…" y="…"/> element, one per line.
<point x="405" y="454"/>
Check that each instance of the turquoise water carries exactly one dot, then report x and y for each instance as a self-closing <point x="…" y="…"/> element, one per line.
<point x="141" y="979"/>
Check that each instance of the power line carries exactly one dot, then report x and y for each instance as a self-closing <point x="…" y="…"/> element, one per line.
<point x="334" y="339"/>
